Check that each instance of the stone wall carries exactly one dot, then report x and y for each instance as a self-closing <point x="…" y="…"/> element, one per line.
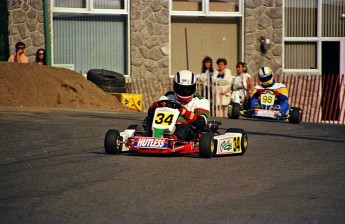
<point x="149" y="35"/>
<point x="263" y="18"/>
<point x="26" y="25"/>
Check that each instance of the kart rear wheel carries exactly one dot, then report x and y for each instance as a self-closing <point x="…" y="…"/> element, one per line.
<point x="112" y="142"/>
<point x="295" y="115"/>
<point x="234" y="110"/>
<point x="206" y="145"/>
<point x="244" y="138"/>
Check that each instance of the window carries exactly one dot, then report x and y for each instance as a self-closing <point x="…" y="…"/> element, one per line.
<point x="70" y="4"/>
<point x="108" y="4"/>
<point x="96" y="39"/>
<point x="333" y="17"/>
<point x="301" y="24"/>
<point x="212" y="27"/>
<point x="300" y="55"/>
<point x="301" y="18"/>
<point x="223" y="6"/>
<point x="206" y="7"/>
<point x="307" y="24"/>
<point x="90" y="4"/>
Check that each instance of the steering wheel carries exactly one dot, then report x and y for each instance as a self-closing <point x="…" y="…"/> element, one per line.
<point x="169" y="103"/>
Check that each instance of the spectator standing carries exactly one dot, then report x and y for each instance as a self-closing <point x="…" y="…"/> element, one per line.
<point x="19" y="56"/>
<point x="41" y="57"/>
<point x="206" y="77"/>
<point x="242" y="85"/>
<point x="224" y="81"/>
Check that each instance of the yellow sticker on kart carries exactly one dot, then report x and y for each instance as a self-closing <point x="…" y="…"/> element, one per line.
<point x="229" y="145"/>
<point x="164" y="119"/>
<point x="267" y="99"/>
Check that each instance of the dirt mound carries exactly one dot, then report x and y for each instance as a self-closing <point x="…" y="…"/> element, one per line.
<point x="37" y="86"/>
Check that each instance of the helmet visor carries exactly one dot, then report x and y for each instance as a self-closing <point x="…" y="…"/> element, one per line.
<point x="266" y="78"/>
<point x="184" y="90"/>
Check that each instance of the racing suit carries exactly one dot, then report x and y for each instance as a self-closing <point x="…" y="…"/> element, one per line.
<point x="193" y="116"/>
<point x="280" y="91"/>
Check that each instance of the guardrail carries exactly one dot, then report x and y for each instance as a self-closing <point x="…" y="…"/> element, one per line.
<point x="321" y="97"/>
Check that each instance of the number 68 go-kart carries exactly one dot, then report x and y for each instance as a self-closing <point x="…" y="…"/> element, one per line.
<point x="207" y="143"/>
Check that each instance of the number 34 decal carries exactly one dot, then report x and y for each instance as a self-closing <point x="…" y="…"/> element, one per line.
<point x="164" y="118"/>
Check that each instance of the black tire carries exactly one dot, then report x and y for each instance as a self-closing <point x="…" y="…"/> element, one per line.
<point x="108" y="78"/>
<point x="112" y="142"/>
<point x="234" y="110"/>
<point x="245" y="104"/>
<point x="110" y="89"/>
<point x="206" y="145"/>
<point x="295" y="115"/>
<point x="244" y="138"/>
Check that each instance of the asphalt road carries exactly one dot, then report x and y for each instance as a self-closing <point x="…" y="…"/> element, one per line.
<point x="53" y="169"/>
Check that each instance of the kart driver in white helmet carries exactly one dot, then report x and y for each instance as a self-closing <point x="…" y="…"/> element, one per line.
<point x="195" y="110"/>
<point x="268" y="83"/>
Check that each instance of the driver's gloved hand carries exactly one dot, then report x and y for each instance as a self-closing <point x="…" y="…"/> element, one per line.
<point x="276" y="92"/>
<point x="162" y="104"/>
<point x="152" y="108"/>
<point x="190" y="116"/>
<point x="260" y="91"/>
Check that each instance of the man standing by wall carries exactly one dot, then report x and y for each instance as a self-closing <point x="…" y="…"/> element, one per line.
<point x="19" y="56"/>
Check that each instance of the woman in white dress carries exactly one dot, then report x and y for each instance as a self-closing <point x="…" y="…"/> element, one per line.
<point x="224" y="81"/>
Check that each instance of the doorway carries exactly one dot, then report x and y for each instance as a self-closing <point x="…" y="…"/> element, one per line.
<point x="330" y="80"/>
<point x="193" y="38"/>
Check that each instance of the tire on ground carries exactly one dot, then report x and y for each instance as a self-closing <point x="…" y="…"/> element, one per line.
<point x="295" y="115"/>
<point x="206" y="145"/>
<point x="113" y="89"/>
<point x="234" y="110"/>
<point x="103" y="77"/>
<point x="112" y="142"/>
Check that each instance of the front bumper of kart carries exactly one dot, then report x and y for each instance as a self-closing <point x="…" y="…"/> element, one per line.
<point x="173" y="146"/>
<point x="264" y="114"/>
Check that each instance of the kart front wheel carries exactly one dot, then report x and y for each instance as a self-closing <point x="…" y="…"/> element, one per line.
<point x="112" y="142"/>
<point x="244" y="138"/>
<point x="206" y="145"/>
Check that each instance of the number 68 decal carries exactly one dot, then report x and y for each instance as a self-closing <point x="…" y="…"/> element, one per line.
<point x="164" y="118"/>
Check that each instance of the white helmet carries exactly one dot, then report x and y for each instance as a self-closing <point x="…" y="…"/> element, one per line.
<point x="266" y="76"/>
<point x="184" y="85"/>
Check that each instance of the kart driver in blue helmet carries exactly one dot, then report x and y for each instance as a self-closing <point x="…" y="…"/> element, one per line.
<point x="268" y="83"/>
<point x="194" y="112"/>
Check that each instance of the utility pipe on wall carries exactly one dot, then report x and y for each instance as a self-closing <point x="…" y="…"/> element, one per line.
<point x="46" y="32"/>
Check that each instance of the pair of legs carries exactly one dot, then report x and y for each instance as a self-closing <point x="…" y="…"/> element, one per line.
<point x="222" y="110"/>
